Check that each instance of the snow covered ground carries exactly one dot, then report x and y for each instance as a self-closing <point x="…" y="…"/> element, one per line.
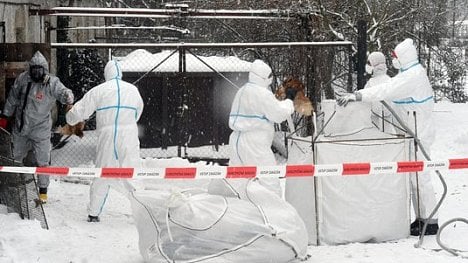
<point x="115" y="239"/>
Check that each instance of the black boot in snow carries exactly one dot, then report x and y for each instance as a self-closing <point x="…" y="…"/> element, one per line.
<point x="93" y="218"/>
<point x="417" y="226"/>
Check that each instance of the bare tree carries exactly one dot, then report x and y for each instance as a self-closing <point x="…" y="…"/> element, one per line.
<point x="431" y="23"/>
<point x="390" y="21"/>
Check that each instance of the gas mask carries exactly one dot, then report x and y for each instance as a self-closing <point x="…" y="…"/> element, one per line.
<point x="37" y="73"/>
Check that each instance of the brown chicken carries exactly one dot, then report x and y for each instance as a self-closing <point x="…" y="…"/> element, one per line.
<point x="72" y="129"/>
<point x="75" y="129"/>
<point x="302" y="104"/>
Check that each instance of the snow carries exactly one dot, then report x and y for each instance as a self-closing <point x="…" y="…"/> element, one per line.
<point x="141" y="60"/>
<point x="86" y="146"/>
<point x="115" y="239"/>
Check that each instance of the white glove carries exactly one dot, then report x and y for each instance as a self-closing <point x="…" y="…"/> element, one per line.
<point x="343" y="100"/>
<point x="68" y="97"/>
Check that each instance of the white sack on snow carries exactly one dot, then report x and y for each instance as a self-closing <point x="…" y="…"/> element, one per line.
<point x="197" y="226"/>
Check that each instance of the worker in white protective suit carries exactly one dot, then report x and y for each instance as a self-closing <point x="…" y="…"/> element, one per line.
<point x="376" y="67"/>
<point x="118" y="106"/>
<point x="254" y="112"/>
<point x="411" y="97"/>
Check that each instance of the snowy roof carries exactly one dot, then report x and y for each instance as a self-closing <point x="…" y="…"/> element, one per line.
<point x="141" y="60"/>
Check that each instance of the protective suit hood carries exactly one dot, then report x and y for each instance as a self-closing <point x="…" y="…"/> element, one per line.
<point x="112" y="70"/>
<point x="406" y="53"/>
<point x="39" y="60"/>
<point x="377" y="62"/>
<point x="260" y="73"/>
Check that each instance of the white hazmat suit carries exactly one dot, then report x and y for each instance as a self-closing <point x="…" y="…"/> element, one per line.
<point x="118" y="106"/>
<point x="254" y="112"/>
<point x="377" y="67"/>
<point x="411" y="96"/>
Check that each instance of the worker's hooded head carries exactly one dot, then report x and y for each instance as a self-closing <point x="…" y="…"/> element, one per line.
<point x="260" y="73"/>
<point x="38" y="67"/>
<point x="405" y="54"/>
<point x="112" y="70"/>
<point x="376" y="63"/>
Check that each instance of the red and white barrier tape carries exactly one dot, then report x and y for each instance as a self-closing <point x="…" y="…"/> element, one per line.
<point x="209" y="172"/>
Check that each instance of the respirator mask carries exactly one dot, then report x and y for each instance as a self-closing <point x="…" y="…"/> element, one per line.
<point x="37" y="73"/>
<point x="369" y="69"/>
<point x="395" y="62"/>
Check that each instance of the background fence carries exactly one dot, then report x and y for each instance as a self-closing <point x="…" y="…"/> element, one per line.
<point x="18" y="192"/>
<point x="188" y="90"/>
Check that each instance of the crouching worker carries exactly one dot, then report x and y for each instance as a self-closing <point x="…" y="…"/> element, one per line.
<point x="118" y="106"/>
<point x="30" y="100"/>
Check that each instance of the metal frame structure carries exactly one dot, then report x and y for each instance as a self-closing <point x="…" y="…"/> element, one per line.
<point x="170" y="12"/>
<point x="201" y="45"/>
<point x="183" y="12"/>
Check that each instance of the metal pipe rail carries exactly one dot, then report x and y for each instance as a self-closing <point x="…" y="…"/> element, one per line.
<point x="203" y="45"/>
<point x="169" y="12"/>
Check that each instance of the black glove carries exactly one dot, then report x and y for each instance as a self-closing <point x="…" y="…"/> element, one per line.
<point x="291" y="94"/>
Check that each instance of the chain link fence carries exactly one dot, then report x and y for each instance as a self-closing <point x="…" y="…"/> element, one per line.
<point x="188" y="91"/>
<point x="18" y="192"/>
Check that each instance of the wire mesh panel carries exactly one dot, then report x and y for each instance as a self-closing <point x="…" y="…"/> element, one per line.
<point x="188" y="91"/>
<point x="18" y="192"/>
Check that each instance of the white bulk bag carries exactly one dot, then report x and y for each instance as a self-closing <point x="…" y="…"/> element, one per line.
<point x="189" y="226"/>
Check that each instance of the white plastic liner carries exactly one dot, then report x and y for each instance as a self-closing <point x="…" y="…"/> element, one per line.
<point x="230" y="223"/>
<point x="300" y="192"/>
<point x="338" y="210"/>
